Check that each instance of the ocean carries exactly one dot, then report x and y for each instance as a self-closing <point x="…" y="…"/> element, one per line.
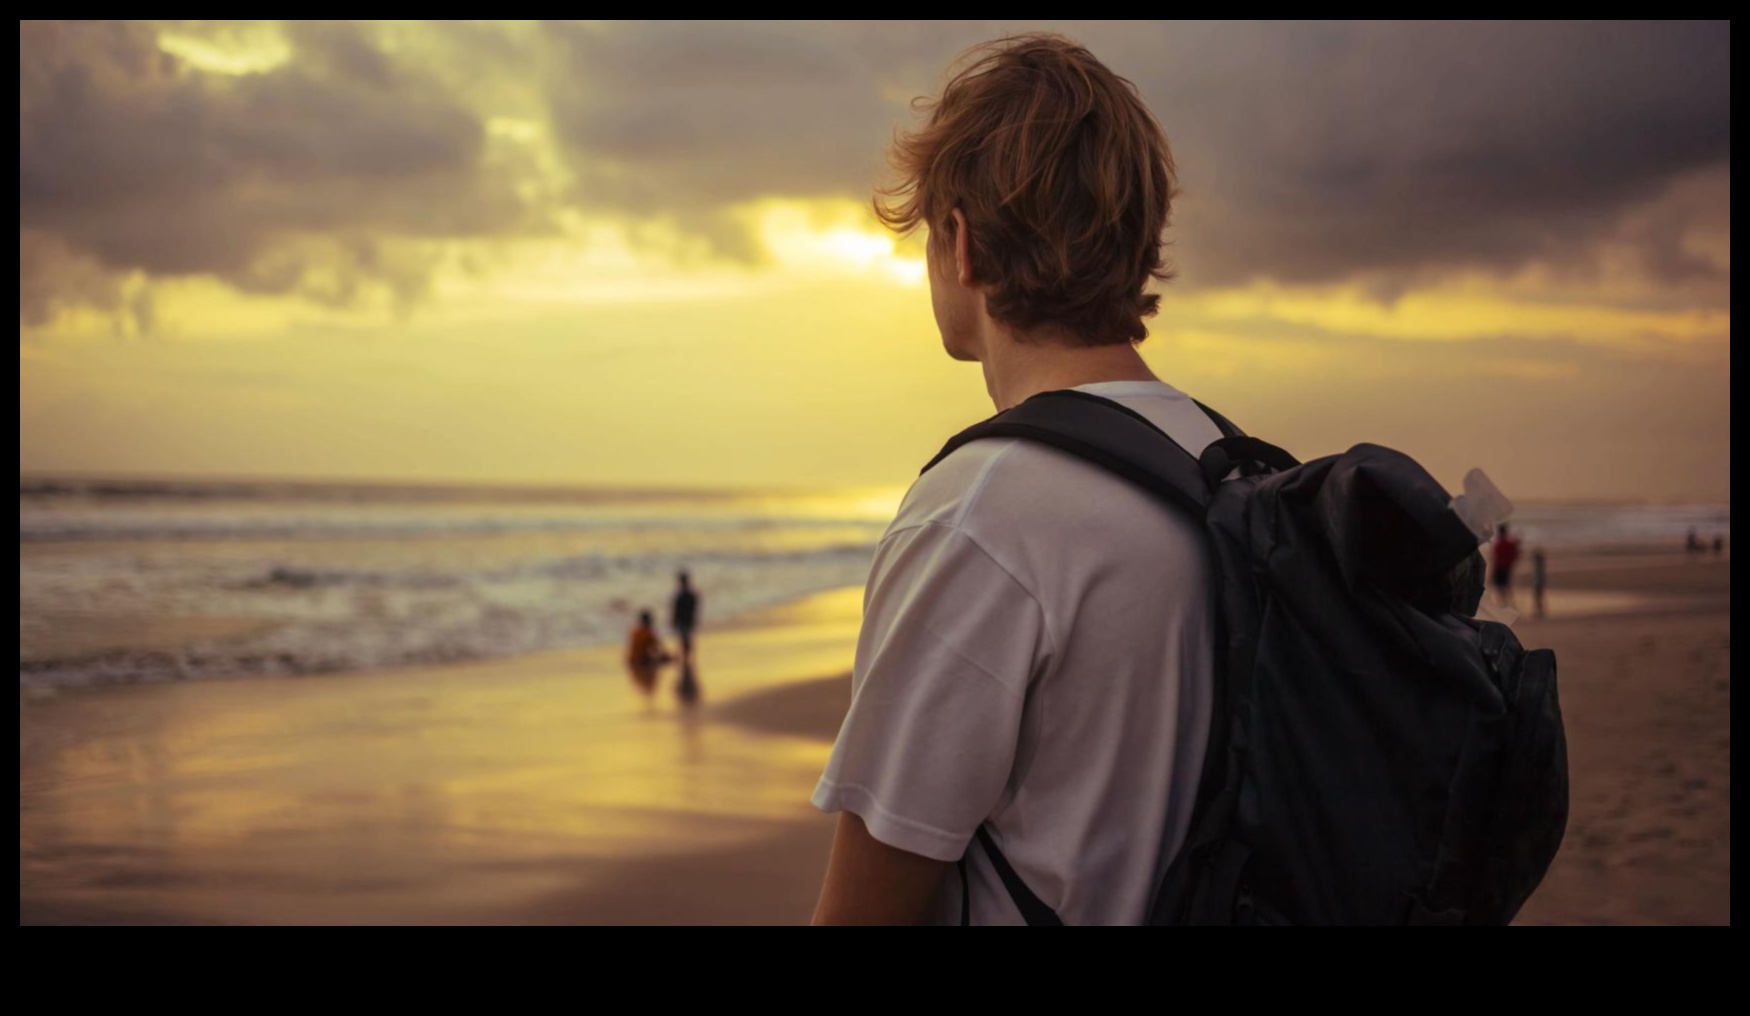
<point x="123" y="581"/>
<point x="141" y="581"/>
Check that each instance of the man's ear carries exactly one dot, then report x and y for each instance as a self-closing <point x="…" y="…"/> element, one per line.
<point x="962" y="248"/>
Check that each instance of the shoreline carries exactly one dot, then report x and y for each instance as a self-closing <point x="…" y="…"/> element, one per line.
<point x="1593" y="568"/>
<point x="543" y="789"/>
<point x="169" y="638"/>
<point x="536" y="790"/>
<point x="811" y="708"/>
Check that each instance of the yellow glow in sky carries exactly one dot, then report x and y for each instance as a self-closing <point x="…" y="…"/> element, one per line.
<point x="240" y="51"/>
<point x="1461" y="313"/>
<point x="703" y="305"/>
<point x="803" y="239"/>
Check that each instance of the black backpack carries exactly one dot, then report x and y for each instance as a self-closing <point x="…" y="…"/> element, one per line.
<point x="1377" y="755"/>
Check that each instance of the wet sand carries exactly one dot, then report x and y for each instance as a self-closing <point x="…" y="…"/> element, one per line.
<point x="544" y="790"/>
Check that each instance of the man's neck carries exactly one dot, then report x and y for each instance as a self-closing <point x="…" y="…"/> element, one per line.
<point x="1016" y="369"/>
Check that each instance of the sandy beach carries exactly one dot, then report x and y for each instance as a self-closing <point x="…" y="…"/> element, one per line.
<point x="541" y="790"/>
<point x="546" y="790"/>
<point x="1647" y="695"/>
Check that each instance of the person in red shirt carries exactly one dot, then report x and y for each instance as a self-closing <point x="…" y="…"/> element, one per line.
<point x="645" y="652"/>
<point x="1506" y="554"/>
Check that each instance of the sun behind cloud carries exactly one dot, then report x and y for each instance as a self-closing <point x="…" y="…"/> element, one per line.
<point x="526" y="250"/>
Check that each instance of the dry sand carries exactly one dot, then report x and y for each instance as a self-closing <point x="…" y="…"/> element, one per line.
<point x="535" y="792"/>
<point x="1647" y="700"/>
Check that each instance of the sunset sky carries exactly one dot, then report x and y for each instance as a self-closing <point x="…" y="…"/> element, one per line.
<point x="642" y="254"/>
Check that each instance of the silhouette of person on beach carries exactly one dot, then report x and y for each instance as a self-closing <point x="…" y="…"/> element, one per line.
<point x="1719" y="544"/>
<point x="1692" y="543"/>
<point x="645" y="653"/>
<point x="1538" y="575"/>
<point x="1506" y="554"/>
<point x="684" y="614"/>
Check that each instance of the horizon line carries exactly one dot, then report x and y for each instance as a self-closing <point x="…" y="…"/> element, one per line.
<point x="619" y="487"/>
<point x="629" y="487"/>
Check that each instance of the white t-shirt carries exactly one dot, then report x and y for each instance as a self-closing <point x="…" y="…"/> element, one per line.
<point x="1035" y="655"/>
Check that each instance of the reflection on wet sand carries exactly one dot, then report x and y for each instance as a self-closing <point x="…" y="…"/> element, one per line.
<point x="469" y="793"/>
<point x="686" y="689"/>
<point x="647" y="675"/>
<point x="545" y="791"/>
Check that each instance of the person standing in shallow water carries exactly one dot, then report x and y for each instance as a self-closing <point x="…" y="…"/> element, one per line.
<point x="684" y="614"/>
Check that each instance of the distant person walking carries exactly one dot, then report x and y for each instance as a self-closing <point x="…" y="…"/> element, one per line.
<point x="1537" y="580"/>
<point x="1506" y="551"/>
<point x="683" y="614"/>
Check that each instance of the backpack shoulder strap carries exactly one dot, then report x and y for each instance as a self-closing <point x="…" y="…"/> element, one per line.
<point x="1234" y="448"/>
<point x="1101" y="431"/>
<point x="1123" y="442"/>
<point x="1222" y="423"/>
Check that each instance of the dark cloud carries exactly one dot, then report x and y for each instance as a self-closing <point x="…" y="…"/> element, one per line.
<point x="1311" y="153"/>
<point x="687" y="119"/>
<point x="137" y="162"/>
<point x="1308" y="153"/>
<point x="53" y="278"/>
<point x="666" y="115"/>
<point x="1383" y="153"/>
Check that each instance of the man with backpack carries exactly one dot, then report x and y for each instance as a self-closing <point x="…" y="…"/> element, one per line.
<point x="1122" y="664"/>
<point x="1036" y="645"/>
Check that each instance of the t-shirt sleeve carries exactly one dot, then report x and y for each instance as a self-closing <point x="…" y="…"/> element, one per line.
<point x="949" y="642"/>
